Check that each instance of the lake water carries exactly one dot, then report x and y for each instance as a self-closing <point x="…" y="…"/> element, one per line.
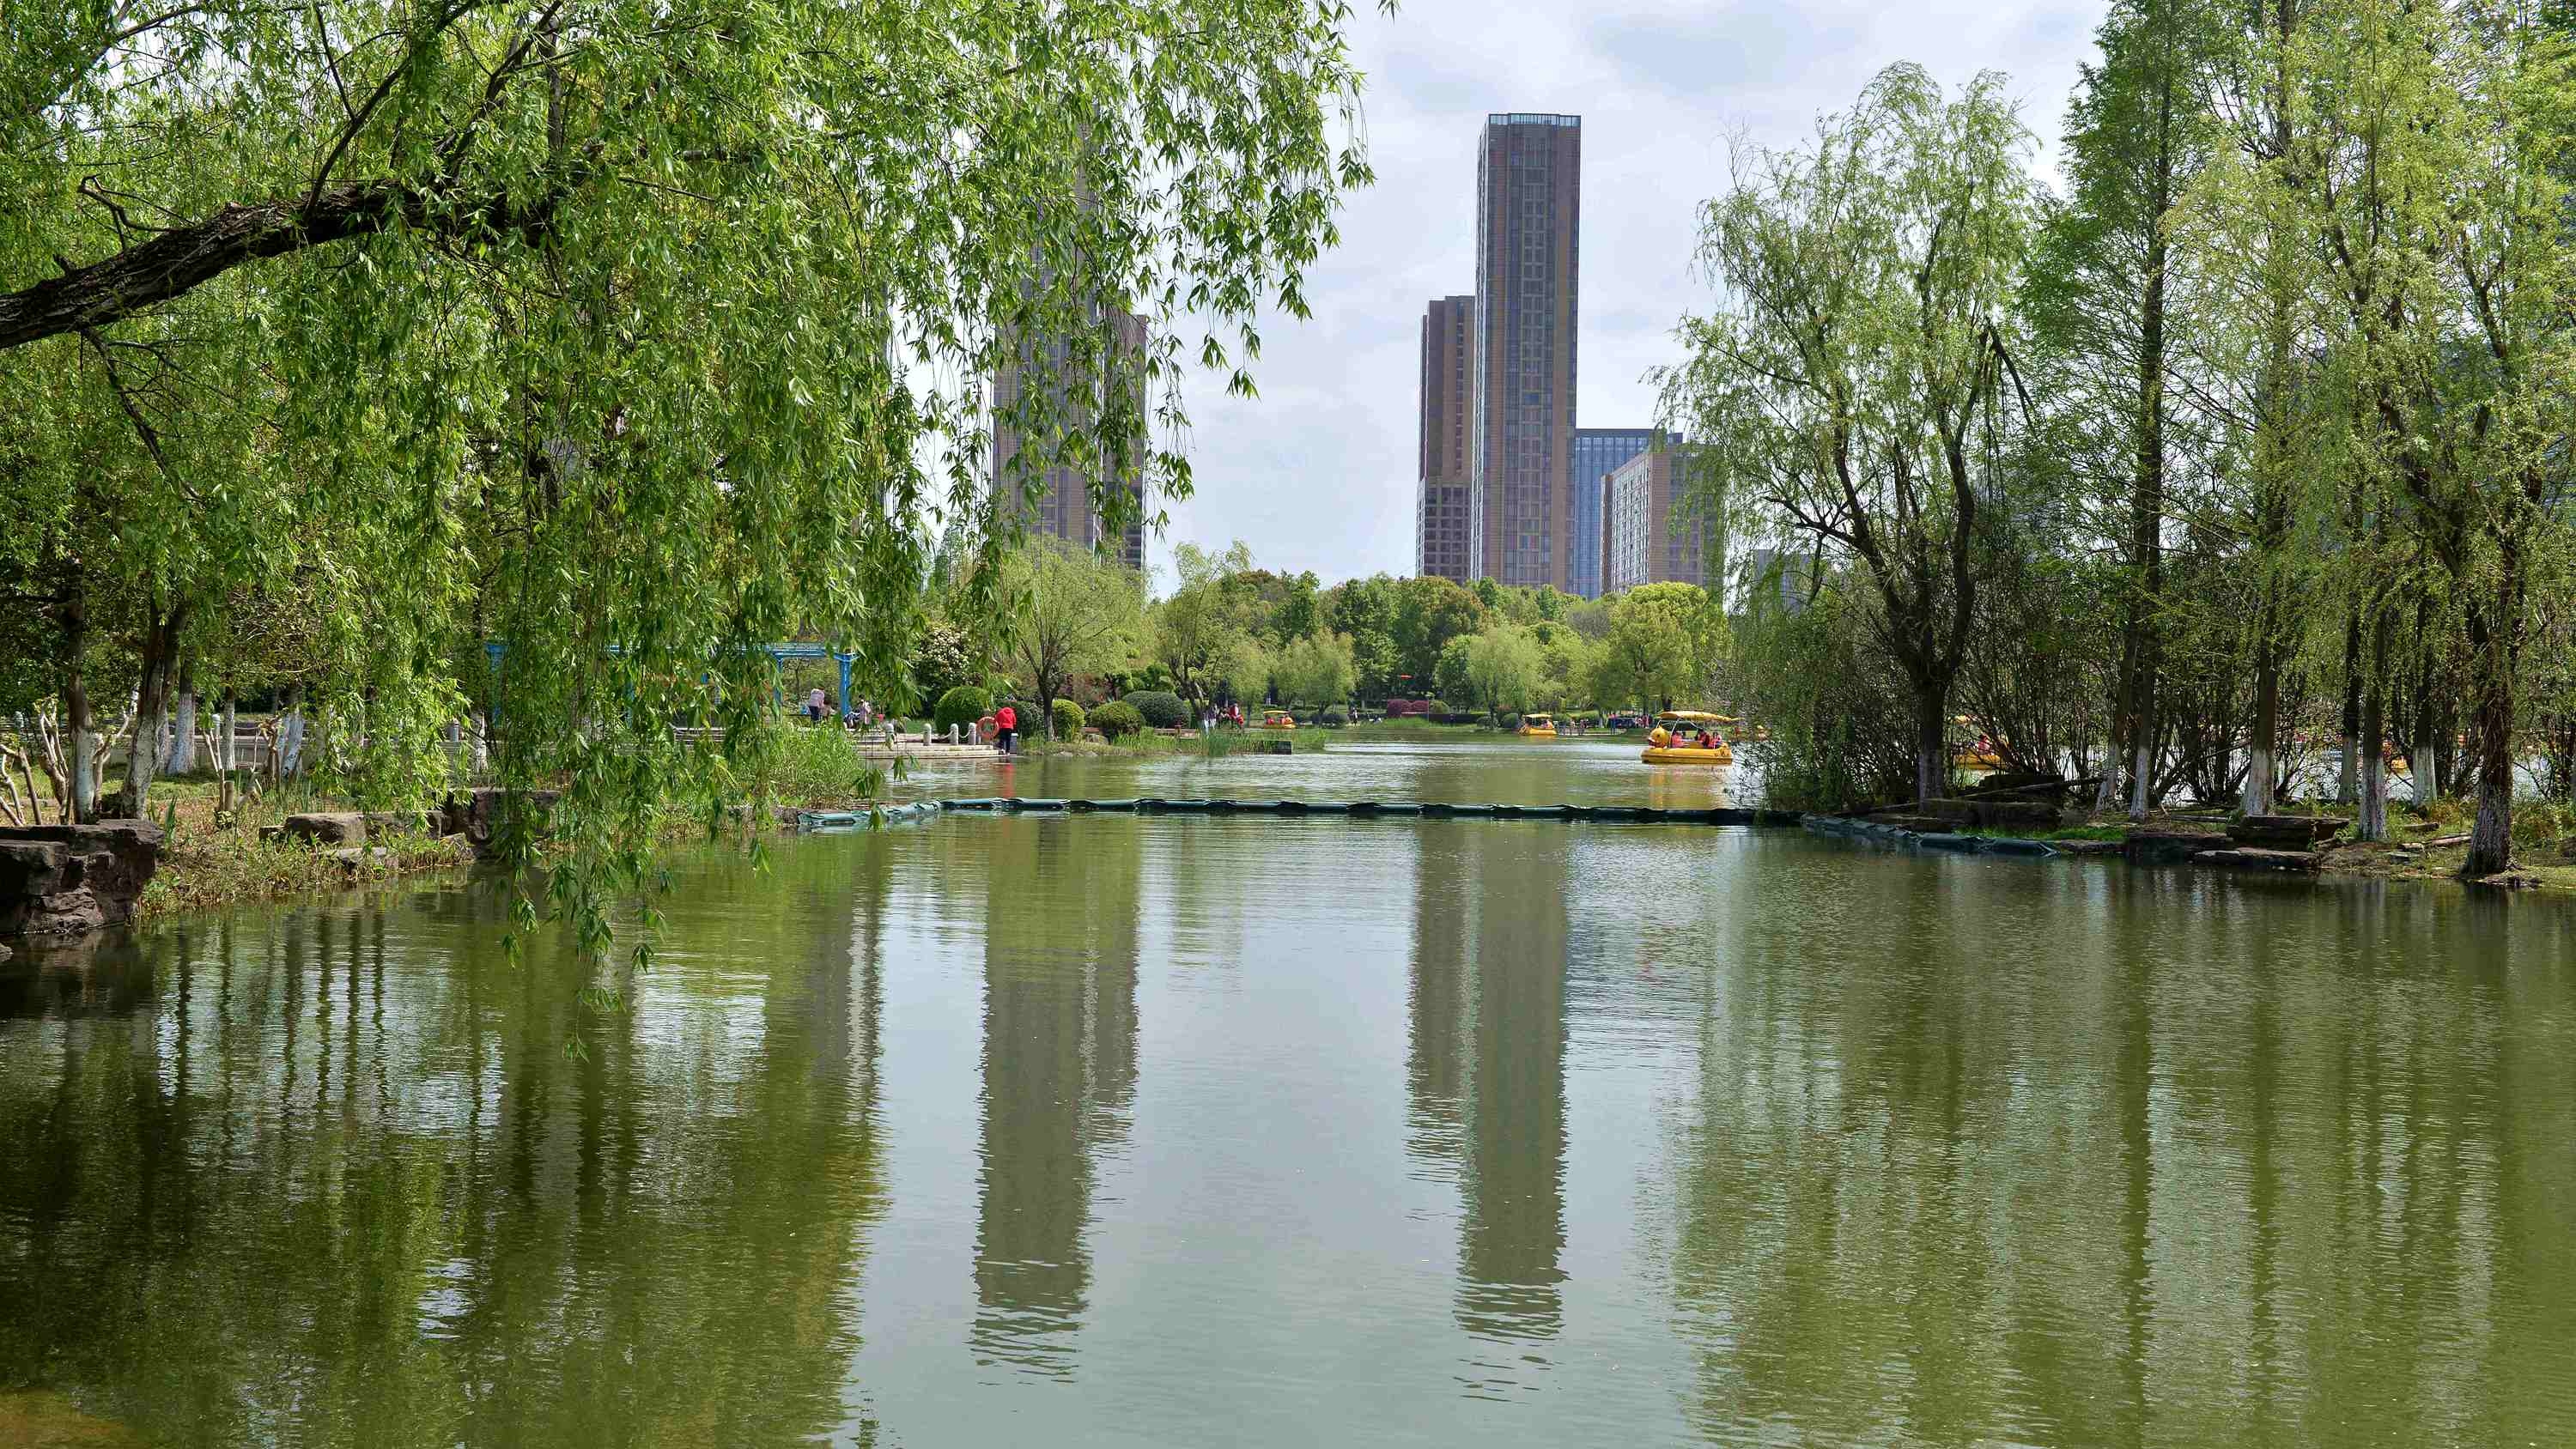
<point x="1176" y="1131"/>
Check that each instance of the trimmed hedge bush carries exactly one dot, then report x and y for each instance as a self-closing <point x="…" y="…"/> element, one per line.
<point x="961" y="706"/>
<point x="1117" y="719"/>
<point x="1068" y="720"/>
<point x="1334" y="715"/>
<point x="1161" y="708"/>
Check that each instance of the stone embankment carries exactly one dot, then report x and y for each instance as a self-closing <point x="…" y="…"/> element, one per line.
<point x="69" y="880"/>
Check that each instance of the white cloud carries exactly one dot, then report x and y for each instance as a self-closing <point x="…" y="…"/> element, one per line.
<point x="1318" y="472"/>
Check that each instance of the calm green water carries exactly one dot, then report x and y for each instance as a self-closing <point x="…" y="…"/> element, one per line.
<point x="1005" y="1131"/>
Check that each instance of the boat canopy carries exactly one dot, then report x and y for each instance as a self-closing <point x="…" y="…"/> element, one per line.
<point x="1693" y="716"/>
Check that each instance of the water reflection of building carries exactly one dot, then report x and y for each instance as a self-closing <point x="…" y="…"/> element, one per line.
<point x="1487" y="1062"/>
<point x="1435" y="1068"/>
<point x="1059" y="1070"/>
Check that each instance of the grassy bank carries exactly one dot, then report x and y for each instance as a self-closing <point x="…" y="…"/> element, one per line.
<point x="205" y="865"/>
<point x="2544" y="841"/>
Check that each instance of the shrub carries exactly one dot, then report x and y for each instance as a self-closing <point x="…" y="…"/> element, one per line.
<point x="961" y="706"/>
<point x="1116" y="720"/>
<point x="1335" y="716"/>
<point x="1161" y="708"/>
<point x="1068" y="720"/>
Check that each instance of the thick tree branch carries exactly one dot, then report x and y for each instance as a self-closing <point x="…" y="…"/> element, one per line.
<point x="177" y="261"/>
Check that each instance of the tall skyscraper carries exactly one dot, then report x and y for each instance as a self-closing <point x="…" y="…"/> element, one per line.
<point x="1529" y="186"/>
<point x="1649" y="543"/>
<point x="1596" y="453"/>
<point x="1440" y="505"/>
<point x="1064" y="510"/>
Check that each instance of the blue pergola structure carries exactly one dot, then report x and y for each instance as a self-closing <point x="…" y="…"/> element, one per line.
<point x="493" y="649"/>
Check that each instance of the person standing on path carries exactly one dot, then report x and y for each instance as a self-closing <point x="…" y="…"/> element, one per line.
<point x="1006" y="726"/>
<point x="814" y="705"/>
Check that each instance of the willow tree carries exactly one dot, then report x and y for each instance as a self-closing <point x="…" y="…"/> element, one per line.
<point x="630" y="335"/>
<point x="1075" y="611"/>
<point x="1856" y="387"/>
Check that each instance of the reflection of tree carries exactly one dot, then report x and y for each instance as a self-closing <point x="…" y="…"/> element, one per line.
<point x="2122" y="1159"/>
<point x="1060" y="961"/>
<point x="1486" y="1067"/>
<point x="345" y="1184"/>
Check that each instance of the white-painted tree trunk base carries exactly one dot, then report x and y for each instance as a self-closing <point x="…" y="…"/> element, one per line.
<point x="183" y="738"/>
<point x="2257" y="795"/>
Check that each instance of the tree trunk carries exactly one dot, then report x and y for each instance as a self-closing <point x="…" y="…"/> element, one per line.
<point x="1931" y="750"/>
<point x="2347" y="777"/>
<point x="182" y="757"/>
<point x="2373" y="732"/>
<point x="72" y="615"/>
<point x="2421" y="752"/>
<point x="151" y="707"/>
<point x="2492" y="657"/>
<point x="290" y="735"/>
<point x="2257" y="795"/>
<point x="2124" y="714"/>
<point x="2491" y="837"/>
<point x="228" y="752"/>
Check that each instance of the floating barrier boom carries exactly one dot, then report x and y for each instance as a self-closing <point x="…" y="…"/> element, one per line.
<point x="1359" y="809"/>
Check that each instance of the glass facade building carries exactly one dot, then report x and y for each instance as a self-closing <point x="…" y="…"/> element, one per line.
<point x="1597" y="452"/>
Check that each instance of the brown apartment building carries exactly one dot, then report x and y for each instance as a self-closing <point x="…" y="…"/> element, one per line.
<point x="1647" y="544"/>
<point x="1064" y="509"/>
<point x="1440" y="503"/>
<point x="1529" y="186"/>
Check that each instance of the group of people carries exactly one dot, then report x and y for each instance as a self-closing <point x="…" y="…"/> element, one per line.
<point x="818" y="706"/>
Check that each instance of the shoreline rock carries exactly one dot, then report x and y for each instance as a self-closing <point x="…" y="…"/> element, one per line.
<point x="69" y="880"/>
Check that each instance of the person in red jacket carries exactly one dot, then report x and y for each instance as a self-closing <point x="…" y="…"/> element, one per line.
<point x="1006" y="727"/>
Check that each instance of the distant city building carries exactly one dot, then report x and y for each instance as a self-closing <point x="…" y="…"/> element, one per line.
<point x="1441" y="510"/>
<point x="1528" y="214"/>
<point x="1064" y="510"/>
<point x="1648" y="544"/>
<point x="1770" y="573"/>
<point x="1597" y="452"/>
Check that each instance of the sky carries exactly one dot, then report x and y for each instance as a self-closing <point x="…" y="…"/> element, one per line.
<point x="1318" y="471"/>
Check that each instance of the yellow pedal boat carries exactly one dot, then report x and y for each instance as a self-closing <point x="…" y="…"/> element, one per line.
<point x="1538" y="726"/>
<point x="1687" y="755"/>
<point x="1663" y="745"/>
<point x="1277" y="719"/>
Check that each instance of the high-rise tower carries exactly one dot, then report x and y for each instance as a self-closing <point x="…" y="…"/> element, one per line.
<point x="1529" y="186"/>
<point x="1441" y="511"/>
<point x="1079" y="396"/>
